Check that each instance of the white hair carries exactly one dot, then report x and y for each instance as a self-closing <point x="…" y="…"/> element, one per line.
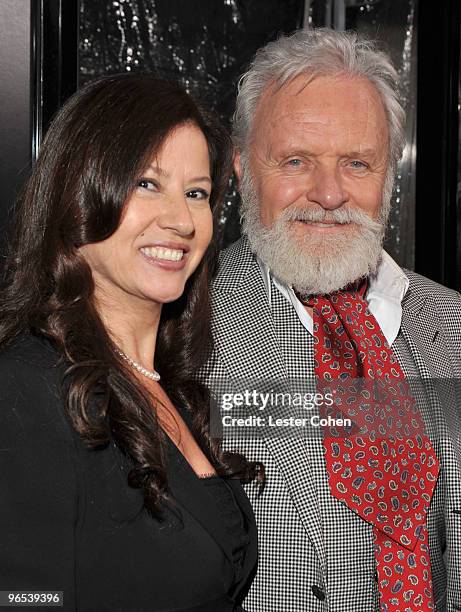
<point x="321" y="52"/>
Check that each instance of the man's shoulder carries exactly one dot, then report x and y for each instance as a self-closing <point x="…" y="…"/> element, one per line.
<point x="423" y="288"/>
<point x="446" y="302"/>
<point x="235" y="263"/>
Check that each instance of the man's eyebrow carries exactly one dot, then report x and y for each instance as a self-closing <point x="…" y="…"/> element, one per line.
<point x="292" y="152"/>
<point x="369" y="152"/>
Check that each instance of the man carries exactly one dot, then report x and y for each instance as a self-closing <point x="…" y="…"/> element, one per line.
<point x="319" y="131"/>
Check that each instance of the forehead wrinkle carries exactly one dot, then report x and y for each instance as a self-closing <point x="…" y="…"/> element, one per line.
<point x="311" y="137"/>
<point x="158" y="170"/>
<point x="318" y="120"/>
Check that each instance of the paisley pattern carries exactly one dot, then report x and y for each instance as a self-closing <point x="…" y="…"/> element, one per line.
<point x="383" y="467"/>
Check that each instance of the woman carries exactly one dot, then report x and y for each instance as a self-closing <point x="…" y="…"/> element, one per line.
<point x="112" y="489"/>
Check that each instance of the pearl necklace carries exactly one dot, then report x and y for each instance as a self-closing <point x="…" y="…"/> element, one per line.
<point x="150" y="374"/>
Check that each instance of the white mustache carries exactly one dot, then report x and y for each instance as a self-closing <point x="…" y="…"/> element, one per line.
<point x="343" y="215"/>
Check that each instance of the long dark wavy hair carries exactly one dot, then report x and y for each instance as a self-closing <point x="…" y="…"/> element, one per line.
<point x="95" y="150"/>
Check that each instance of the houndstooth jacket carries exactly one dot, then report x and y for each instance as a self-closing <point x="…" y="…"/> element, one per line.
<point x="314" y="553"/>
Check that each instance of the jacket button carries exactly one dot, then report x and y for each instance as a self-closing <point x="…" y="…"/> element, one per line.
<point x="317" y="591"/>
<point x="375" y="575"/>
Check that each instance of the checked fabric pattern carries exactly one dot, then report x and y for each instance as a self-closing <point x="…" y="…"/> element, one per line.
<point x="307" y="536"/>
<point x="384" y="468"/>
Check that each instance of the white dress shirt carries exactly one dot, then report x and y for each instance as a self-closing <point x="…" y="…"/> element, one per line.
<point x="384" y="295"/>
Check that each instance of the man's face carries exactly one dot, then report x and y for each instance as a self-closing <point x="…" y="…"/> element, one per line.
<point x="318" y="161"/>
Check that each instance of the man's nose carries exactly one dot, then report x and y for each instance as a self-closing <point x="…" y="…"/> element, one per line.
<point x="327" y="188"/>
<point x="176" y="216"/>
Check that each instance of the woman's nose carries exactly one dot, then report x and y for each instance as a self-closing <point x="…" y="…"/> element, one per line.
<point x="177" y="216"/>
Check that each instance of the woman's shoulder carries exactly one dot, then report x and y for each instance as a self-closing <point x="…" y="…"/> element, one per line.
<point x="29" y="360"/>
<point x="30" y="381"/>
<point x="30" y="350"/>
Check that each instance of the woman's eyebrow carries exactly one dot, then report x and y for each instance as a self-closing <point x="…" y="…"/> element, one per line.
<point x="161" y="172"/>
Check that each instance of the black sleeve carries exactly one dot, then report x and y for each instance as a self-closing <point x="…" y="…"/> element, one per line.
<point x="38" y="483"/>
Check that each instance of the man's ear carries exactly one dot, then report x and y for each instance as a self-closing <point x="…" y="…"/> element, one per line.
<point x="237" y="165"/>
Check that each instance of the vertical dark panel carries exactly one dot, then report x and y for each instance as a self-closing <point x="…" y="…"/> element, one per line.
<point x="437" y="241"/>
<point x="15" y="100"/>
<point x="458" y="208"/>
<point x="56" y="60"/>
<point x="38" y="71"/>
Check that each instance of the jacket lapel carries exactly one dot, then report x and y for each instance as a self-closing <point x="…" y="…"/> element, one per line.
<point x="422" y="329"/>
<point x="248" y="346"/>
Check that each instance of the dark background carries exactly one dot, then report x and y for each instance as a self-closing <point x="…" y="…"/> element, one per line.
<point x="49" y="47"/>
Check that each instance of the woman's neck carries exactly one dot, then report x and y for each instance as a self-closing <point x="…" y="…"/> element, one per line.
<point x="132" y="324"/>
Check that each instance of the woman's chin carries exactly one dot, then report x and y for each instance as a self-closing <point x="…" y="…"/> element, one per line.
<point x="166" y="296"/>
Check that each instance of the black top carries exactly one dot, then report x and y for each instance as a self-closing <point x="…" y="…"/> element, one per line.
<point x="70" y="522"/>
<point x="232" y="518"/>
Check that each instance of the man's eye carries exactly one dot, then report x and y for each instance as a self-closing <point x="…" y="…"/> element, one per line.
<point x="356" y="163"/>
<point x="294" y="162"/>
<point x="197" y="194"/>
<point x="148" y="184"/>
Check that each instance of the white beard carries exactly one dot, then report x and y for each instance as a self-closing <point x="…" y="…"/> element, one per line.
<point x="315" y="263"/>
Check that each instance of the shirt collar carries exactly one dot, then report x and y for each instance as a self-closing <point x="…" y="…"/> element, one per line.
<point x="386" y="290"/>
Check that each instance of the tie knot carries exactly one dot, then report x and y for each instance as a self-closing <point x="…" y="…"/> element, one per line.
<point x="353" y="292"/>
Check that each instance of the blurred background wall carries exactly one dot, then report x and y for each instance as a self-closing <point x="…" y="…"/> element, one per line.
<point x="50" y="47"/>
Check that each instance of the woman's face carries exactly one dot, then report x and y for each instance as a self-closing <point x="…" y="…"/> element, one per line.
<point x="165" y="228"/>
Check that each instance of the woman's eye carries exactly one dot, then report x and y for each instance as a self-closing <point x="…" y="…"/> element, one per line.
<point x="197" y="194"/>
<point x="148" y="184"/>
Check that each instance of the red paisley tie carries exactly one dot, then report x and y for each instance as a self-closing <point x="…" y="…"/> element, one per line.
<point x="384" y="468"/>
